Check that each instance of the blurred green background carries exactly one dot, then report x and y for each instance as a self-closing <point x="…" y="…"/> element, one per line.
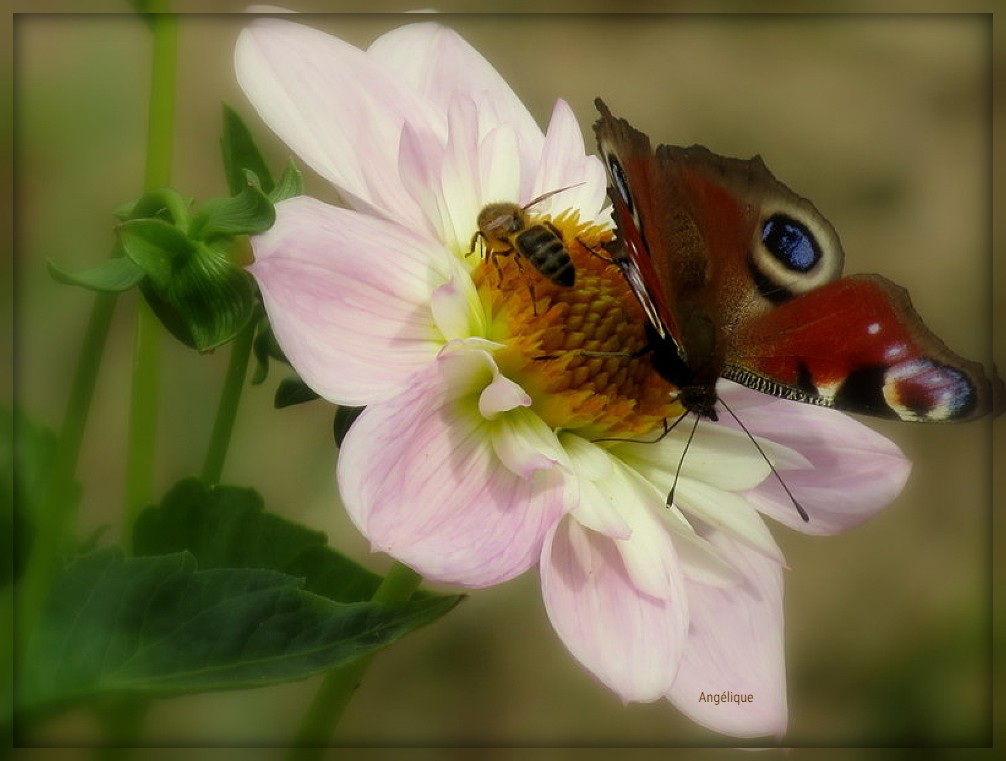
<point x="884" y="121"/>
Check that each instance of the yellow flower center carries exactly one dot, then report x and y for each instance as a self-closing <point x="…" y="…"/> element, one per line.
<point x="552" y="342"/>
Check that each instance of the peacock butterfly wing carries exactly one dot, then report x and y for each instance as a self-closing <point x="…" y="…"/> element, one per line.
<point x="738" y="275"/>
<point x="857" y="344"/>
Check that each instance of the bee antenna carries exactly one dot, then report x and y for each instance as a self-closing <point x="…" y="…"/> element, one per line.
<point x="688" y="443"/>
<point x="797" y="505"/>
<point x="549" y="194"/>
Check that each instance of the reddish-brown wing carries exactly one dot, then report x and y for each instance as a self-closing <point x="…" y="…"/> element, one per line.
<point x="858" y="345"/>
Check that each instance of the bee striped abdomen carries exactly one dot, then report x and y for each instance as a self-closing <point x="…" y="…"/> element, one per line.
<point x="544" y="249"/>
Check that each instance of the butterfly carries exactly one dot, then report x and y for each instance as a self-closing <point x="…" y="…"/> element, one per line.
<point x="740" y="278"/>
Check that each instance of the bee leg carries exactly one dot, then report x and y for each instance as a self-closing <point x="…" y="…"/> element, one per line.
<point x="499" y="270"/>
<point x="530" y="286"/>
<point x="471" y="246"/>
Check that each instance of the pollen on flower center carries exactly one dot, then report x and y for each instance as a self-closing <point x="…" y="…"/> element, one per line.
<point x="551" y="341"/>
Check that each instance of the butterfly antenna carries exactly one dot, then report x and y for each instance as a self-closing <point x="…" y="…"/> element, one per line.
<point x="549" y="194"/>
<point x="797" y="505"/>
<point x="688" y="443"/>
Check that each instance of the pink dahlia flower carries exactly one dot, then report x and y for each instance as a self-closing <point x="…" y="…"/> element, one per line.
<point x="486" y="447"/>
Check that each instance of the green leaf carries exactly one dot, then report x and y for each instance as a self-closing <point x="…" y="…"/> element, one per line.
<point x="117" y="274"/>
<point x="246" y="213"/>
<point x="240" y="153"/>
<point x="156" y="247"/>
<point x="27" y="456"/>
<point x="226" y="526"/>
<point x="292" y="390"/>
<point x="290" y="184"/>
<point x="344" y="418"/>
<point x="156" y="626"/>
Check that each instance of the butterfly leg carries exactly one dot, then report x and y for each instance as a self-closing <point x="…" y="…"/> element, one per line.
<point x="590" y="249"/>
<point x="667" y="429"/>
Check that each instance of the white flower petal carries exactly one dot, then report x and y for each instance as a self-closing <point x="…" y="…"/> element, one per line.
<point x="524" y="443"/>
<point x="717" y="454"/>
<point x="564" y="163"/>
<point x="456" y="307"/>
<point x="648" y="554"/>
<point x="727" y="512"/>
<point x="499" y="166"/>
<point x="459" y="176"/>
<point x="439" y="64"/>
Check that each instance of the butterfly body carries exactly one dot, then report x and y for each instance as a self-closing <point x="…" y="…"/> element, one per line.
<point x="739" y="277"/>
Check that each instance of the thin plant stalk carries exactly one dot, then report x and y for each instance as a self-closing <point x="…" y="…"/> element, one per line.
<point x="339" y="685"/>
<point x="142" y="433"/>
<point x="230" y="397"/>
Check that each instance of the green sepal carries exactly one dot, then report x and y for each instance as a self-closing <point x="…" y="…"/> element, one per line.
<point x="192" y="286"/>
<point x="156" y="247"/>
<point x="246" y="213"/>
<point x="265" y="347"/>
<point x="241" y="154"/>
<point x="292" y="390"/>
<point x="344" y="418"/>
<point x="290" y="184"/>
<point x="120" y="273"/>
<point x="166" y="204"/>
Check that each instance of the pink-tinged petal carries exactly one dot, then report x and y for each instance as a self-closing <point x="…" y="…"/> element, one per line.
<point x="854" y="470"/>
<point x="735" y="647"/>
<point x="420" y="158"/>
<point x="525" y="444"/>
<point x="501" y="396"/>
<point x="337" y="108"/>
<point x="563" y="164"/>
<point x="348" y="298"/>
<point x="419" y="478"/>
<point x="628" y="640"/>
<point x="439" y="64"/>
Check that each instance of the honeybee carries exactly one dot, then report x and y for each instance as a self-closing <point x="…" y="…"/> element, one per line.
<point x="506" y="228"/>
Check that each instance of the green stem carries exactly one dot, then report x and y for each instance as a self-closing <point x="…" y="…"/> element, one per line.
<point x="339" y="684"/>
<point x="161" y="111"/>
<point x="142" y="435"/>
<point x="230" y="397"/>
<point x="54" y="512"/>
